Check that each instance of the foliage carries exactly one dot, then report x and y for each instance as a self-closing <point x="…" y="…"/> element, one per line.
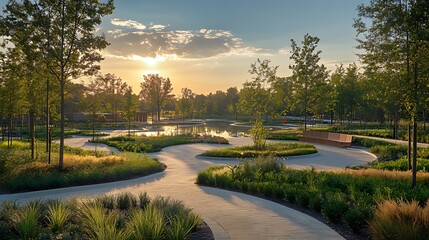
<point x="285" y="134"/>
<point x="389" y="153"/>
<point x="256" y="97"/>
<point x="349" y="195"/>
<point x="272" y="149"/>
<point x="155" y="144"/>
<point x="308" y="80"/>
<point x="20" y="173"/>
<point x="258" y="133"/>
<point x="401" y="164"/>
<point x="58" y="215"/>
<point x="155" y="90"/>
<point x="92" y="220"/>
<point x="399" y="219"/>
<point x="366" y="142"/>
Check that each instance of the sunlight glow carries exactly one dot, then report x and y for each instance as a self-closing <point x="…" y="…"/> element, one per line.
<point x="149" y="60"/>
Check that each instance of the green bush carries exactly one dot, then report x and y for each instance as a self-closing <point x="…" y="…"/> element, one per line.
<point x="366" y="142"/>
<point x="358" y="216"/>
<point x="334" y="206"/>
<point x="389" y="152"/>
<point x="402" y="165"/>
<point x="285" y="134"/>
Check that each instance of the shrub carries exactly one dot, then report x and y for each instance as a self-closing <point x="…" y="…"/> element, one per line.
<point x="358" y="216"/>
<point x="334" y="206"/>
<point x="366" y="142"/>
<point x="402" y="165"/>
<point x="400" y="220"/>
<point x="389" y="153"/>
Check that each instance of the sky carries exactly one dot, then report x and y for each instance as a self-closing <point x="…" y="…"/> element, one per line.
<point x="209" y="45"/>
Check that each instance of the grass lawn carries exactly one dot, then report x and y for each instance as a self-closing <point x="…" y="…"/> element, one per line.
<point x="120" y="217"/>
<point x="351" y="197"/>
<point x="271" y="149"/>
<point x="142" y="144"/>
<point x="18" y="172"/>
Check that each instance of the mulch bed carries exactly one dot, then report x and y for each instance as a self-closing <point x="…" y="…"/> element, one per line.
<point x="202" y="232"/>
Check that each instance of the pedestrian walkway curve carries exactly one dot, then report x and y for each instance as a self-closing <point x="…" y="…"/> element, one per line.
<point x="230" y="215"/>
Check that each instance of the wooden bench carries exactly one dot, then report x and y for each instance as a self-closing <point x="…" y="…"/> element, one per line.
<point x="336" y="139"/>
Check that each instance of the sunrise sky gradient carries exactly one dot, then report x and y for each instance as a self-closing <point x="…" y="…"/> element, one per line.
<point x="209" y="45"/>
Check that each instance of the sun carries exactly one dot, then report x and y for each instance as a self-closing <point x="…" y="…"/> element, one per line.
<point x="150" y="61"/>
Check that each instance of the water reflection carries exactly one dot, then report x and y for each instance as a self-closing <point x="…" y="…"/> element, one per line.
<point x="224" y="129"/>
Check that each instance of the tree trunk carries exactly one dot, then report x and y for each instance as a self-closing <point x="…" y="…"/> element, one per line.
<point x="416" y="102"/>
<point x="409" y="147"/>
<point x="305" y="116"/>
<point x="32" y="134"/>
<point x="62" y="122"/>
<point x="414" y="177"/>
<point x="47" y="122"/>
<point x="159" y="113"/>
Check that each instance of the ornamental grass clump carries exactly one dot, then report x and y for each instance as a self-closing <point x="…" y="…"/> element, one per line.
<point x="122" y="216"/>
<point x="147" y="224"/>
<point x="58" y="216"/>
<point x="25" y="222"/>
<point x="400" y="220"/>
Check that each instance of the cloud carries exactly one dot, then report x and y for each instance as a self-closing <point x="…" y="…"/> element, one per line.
<point x="130" y="39"/>
<point x="127" y="23"/>
<point x="157" y="27"/>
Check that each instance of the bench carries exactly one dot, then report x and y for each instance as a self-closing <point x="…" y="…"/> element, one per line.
<point x="336" y="139"/>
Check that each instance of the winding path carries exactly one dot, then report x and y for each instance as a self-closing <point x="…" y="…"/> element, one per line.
<point x="230" y="215"/>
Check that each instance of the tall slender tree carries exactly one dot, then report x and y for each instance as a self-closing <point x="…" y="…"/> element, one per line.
<point x="309" y="77"/>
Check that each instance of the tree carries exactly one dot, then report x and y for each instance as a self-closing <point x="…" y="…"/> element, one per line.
<point x="111" y="90"/>
<point x="396" y="38"/>
<point x="155" y="90"/>
<point x="185" y="105"/>
<point x="132" y="105"/>
<point x="64" y="34"/>
<point x="255" y="96"/>
<point x="308" y="78"/>
<point x="232" y="99"/>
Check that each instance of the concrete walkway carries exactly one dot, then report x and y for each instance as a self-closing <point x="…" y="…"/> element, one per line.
<point x="230" y="215"/>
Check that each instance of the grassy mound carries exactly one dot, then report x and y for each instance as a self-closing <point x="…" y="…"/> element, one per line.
<point x="271" y="149"/>
<point x="123" y="216"/>
<point x="155" y="144"/>
<point x="18" y="172"/>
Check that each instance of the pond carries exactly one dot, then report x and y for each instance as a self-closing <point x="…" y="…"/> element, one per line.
<point x="218" y="128"/>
